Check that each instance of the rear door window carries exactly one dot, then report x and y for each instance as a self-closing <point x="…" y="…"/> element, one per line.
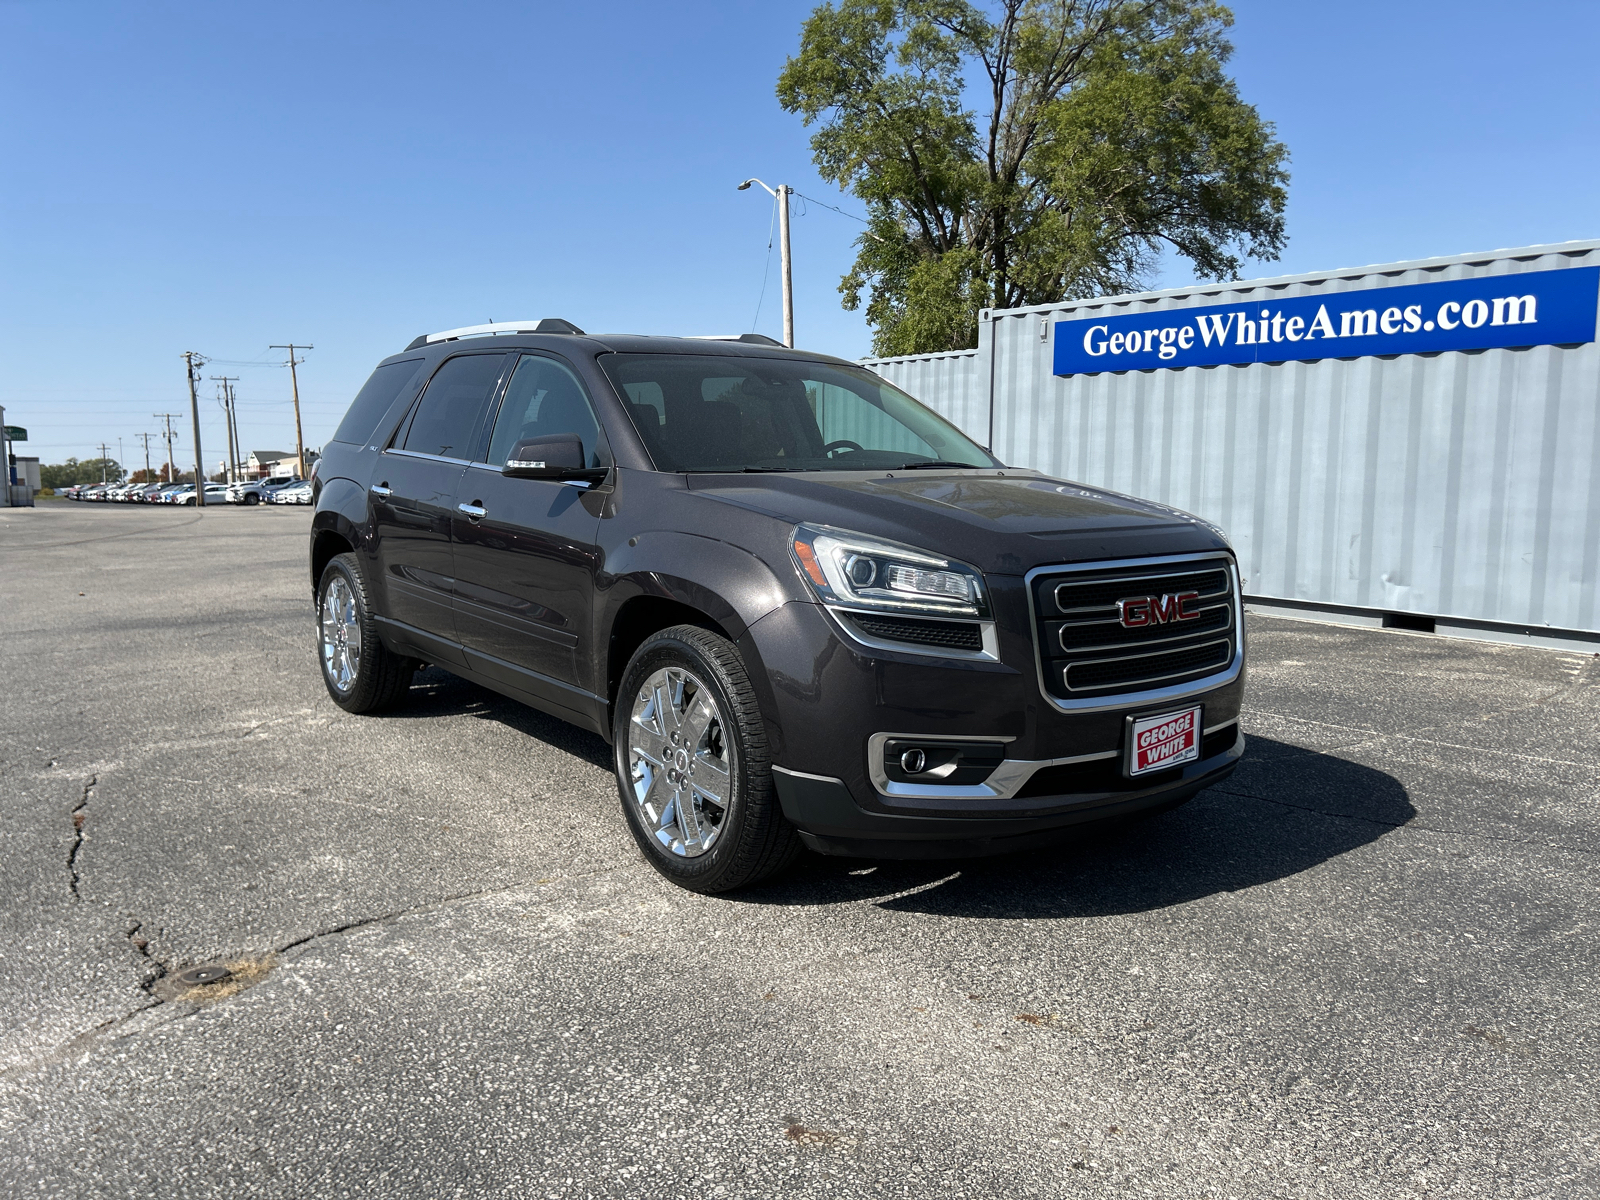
<point x="449" y="417"/>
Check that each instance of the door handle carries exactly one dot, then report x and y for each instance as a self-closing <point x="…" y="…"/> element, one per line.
<point x="475" y="512"/>
<point x="381" y="489"/>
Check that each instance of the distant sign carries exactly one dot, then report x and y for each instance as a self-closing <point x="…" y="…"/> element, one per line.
<point x="1534" y="308"/>
<point x="16" y="433"/>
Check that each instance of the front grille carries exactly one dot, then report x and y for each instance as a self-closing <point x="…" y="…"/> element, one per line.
<point x="1189" y="630"/>
<point x="954" y="635"/>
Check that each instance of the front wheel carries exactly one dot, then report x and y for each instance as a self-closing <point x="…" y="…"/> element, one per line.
<point x="693" y="768"/>
<point x="251" y="498"/>
<point x="360" y="672"/>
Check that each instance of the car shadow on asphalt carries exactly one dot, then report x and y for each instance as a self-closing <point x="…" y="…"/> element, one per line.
<point x="1285" y="810"/>
<point x="436" y="693"/>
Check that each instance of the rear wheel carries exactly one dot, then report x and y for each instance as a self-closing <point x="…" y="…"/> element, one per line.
<point x="693" y="767"/>
<point x="360" y="672"/>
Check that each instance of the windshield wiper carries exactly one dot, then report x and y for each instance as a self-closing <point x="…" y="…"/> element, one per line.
<point x="763" y="469"/>
<point x="935" y="462"/>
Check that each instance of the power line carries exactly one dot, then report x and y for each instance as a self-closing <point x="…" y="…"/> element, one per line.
<point x="767" y="270"/>
<point x="840" y="211"/>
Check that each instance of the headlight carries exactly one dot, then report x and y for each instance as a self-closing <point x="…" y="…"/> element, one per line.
<point x="857" y="571"/>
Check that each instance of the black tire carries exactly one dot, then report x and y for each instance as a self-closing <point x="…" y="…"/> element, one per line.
<point x="251" y="498"/>
<point x="380" y="678"/>
<point x="754" y="840"/>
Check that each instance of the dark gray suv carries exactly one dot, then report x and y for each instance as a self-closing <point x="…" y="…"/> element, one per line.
<point x="803" y="608"/>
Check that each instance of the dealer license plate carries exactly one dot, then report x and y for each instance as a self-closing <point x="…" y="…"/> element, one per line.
<point x="1168" y="740"/>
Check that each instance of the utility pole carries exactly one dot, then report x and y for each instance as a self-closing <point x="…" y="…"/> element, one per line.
<point x="5" y="460"/>
<point x="104" y="450"/>
<point x="149" y="476"/>
<point x="294" y="382"/>
<point x="191" y="366"/>
<point x="781" y="194"/>
<point x="233" y="433"/>
<point x="172" y="469"/>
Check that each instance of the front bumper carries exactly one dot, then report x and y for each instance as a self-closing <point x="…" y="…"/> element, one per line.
<point x="831" y="822"/>
<point x="830" y="701"/>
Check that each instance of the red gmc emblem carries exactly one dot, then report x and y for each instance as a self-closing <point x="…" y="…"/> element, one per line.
<point x="1138" y="611"/>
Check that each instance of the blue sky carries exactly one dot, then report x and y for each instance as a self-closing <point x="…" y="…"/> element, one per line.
<point x="223" y="177"/>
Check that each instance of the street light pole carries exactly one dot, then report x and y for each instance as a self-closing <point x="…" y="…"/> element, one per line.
<point x="781" y="194"/>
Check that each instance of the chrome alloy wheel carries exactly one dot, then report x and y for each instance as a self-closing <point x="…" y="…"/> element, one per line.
<point x="680" y="764"/>
<point x="340" y="633"/>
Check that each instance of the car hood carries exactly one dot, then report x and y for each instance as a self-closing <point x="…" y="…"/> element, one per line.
<point x="1000" y="522"/>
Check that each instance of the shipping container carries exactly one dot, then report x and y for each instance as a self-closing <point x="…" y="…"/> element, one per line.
<point x="1457" y="485"/>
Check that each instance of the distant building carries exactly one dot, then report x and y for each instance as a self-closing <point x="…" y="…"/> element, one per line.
<point x="263" y="463"/>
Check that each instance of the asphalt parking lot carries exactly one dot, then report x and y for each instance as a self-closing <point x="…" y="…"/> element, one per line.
<point x="1364" y="966"/>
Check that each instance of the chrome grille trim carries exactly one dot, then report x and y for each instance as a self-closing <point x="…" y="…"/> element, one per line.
<point x="1122" y="658"/>
<point x="1062" y="610"/>
<point x="1143" y="695"/>
<point x="1061" y="634"/>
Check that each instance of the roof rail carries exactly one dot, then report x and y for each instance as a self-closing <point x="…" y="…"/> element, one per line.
<point x="544" y="325"/>
<point x="755" y="339"/>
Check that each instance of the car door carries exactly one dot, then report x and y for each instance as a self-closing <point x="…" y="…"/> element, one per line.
<point x="525" y="549"/>
<point x="413" y="496"/>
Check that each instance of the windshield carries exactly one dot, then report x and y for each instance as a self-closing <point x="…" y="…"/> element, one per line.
<point x="724" y="413"/>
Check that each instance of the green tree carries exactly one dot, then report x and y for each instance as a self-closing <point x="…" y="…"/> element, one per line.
<point x="74" y="471"/>
<point x="1030" y="152"/>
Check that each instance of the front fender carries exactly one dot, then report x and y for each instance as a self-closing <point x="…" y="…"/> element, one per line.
<point x="728" y="583"/>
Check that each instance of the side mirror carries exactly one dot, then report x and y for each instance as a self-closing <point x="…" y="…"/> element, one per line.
<point x="557" y="456"/>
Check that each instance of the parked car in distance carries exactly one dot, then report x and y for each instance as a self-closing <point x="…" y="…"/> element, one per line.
<point x="258" y="491"/>
<point x="294" y="493"/>
<point x="802" y="608"/>
<point x="216" y="493"/>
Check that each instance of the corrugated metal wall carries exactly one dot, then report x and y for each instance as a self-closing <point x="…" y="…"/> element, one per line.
<point x="947" y="383"/>
<point x="1461" y="484"/>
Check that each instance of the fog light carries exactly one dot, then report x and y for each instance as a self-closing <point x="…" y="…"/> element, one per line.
<point x="913" y="761"/>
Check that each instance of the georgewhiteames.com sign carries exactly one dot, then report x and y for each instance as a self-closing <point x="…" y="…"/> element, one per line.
<point x="1533" y="308"/>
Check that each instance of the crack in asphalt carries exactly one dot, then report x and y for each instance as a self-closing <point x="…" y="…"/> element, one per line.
<point x="85" y="1041"/>
<point x="79" y="816"/>
<point x="141" y="947"/>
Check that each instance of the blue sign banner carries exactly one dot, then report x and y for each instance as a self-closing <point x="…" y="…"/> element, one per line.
<point x="1534" y="308"/>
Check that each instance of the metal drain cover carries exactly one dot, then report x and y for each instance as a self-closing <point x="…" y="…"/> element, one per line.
<point x="198" y="975"/>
